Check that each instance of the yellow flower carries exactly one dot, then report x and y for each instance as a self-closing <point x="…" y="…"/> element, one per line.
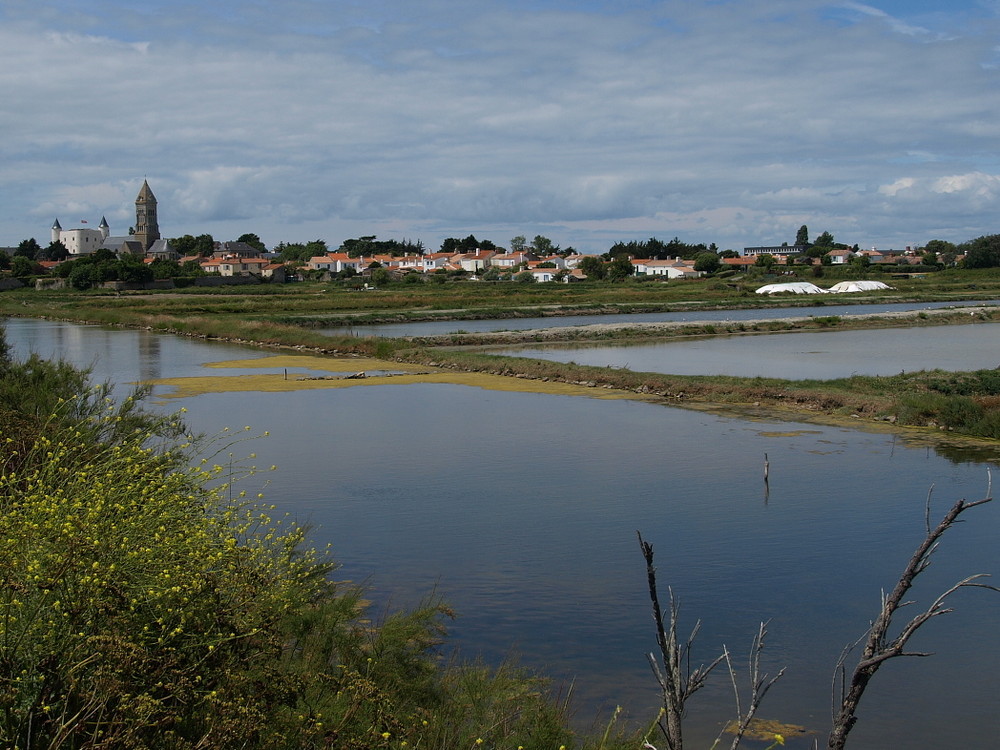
<point x="780" y="739"/>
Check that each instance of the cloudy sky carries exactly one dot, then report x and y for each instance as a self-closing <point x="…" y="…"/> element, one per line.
<point x="587" y="121"/>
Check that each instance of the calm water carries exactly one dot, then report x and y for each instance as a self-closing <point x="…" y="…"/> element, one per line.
<point x="799" y="356"/>
<point x="521" y="509"/>
<point x="440" y="327"/>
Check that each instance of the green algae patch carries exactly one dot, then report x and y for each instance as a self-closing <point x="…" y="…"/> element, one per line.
<point x="326" y="372"/>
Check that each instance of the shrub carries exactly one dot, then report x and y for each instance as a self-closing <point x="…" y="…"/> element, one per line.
<point x="143" y="605"/>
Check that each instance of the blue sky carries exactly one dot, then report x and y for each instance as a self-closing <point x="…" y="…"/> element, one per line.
<point x="725" y="121"/>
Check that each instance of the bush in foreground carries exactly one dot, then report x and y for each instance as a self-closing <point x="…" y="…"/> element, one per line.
<point x="143" y="606"/>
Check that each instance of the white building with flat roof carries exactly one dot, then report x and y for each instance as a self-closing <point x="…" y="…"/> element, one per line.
<point x="81" y="240"/>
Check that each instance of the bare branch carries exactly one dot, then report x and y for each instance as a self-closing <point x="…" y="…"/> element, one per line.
<point x="677" y="680"/>
<point x="759" y="685"/>
<point x="879" y="647"/>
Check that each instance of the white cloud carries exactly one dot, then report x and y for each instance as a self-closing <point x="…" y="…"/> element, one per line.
<point x="896" y="24"/>
<point x="716" y="122"/>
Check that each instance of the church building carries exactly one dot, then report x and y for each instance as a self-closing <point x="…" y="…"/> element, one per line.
<point x="145" y="238"/>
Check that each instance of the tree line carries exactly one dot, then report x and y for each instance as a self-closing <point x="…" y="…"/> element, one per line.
<point x="981" y="252"/>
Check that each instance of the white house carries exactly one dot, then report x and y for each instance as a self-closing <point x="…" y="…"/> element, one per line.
<point x="434" y="261"/>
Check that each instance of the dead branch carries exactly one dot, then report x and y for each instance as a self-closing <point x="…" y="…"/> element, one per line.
<point x="759" y="685"/>
<point x="677" y="680"/>
<point x="879" y="646"/>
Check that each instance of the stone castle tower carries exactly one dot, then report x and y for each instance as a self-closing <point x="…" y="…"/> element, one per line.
<point x="147" y="231"/>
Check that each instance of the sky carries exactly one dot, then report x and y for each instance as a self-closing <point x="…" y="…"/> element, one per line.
<point x="590" y="122"/>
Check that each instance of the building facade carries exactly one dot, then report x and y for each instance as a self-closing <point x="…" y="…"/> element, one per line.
<point x="80" y="240"/>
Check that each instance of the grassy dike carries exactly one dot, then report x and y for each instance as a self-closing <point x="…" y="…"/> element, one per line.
<point x="965" y="404"/>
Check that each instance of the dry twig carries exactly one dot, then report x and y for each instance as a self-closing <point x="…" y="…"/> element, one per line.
<point x="879" y="646"/>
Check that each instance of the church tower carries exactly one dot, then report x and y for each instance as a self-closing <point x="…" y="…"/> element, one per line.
<point x="147" y="231"/>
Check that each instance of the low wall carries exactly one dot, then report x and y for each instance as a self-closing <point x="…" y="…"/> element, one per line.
<point x="136" y="286"/>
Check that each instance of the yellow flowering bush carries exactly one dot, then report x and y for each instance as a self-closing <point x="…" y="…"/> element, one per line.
<point x="148" y="605"/>
<point x="135" y="598"/>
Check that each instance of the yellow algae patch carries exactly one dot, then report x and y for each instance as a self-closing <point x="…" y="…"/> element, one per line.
<point x="277" y="381"/>
<point x="324" y="364"/>
<point x="789" y="433"/>
<point x="769" y="730"/>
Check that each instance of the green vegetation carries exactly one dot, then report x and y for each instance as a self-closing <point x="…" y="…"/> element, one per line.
<point x="147" y="604"/>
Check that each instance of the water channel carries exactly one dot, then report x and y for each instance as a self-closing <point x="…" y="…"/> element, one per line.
<point x="442" y="327"/>
<point x="521" y="509"/>
<point x="801" y="355"/>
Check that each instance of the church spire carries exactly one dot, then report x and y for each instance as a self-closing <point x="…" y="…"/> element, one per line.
<point x="147" y="230"/>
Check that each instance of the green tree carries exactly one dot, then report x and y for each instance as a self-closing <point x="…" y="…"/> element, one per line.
<point x="620" y="269"/>
<point x="253" y="241"/>
<point x="707" y="262"/>
<point x="55" y="251"/>
<point x="982" y="252"/>
<point x="939" y="247"/>
<point x="380" y="276"/>
<point x="543" y="246"/>
<point x="165" y="269"/>
<point x="825" y="240"/>
<point x="525" y="277"/>
<point x="4" y="261"/>
<point x="358" y="247"/>
<point x="22" y="266"/>
<point x="766" y="261"/>
<point x="28" y="248"/>
<point x="468" y="245"/>
<point x="518" y="244"/>
<point x="593" y="267"/>
<point x="203" y="245"/>
<point x="802" y="236"/>
<point x="132" y="269"/>
<point x="295" y="252"/>
<point x="656" y="249"/>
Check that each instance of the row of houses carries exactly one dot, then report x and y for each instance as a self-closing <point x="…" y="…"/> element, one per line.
<point x="547" y="268"/>
<point x="837" y="258"/>
<point x="473" y="263"/>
